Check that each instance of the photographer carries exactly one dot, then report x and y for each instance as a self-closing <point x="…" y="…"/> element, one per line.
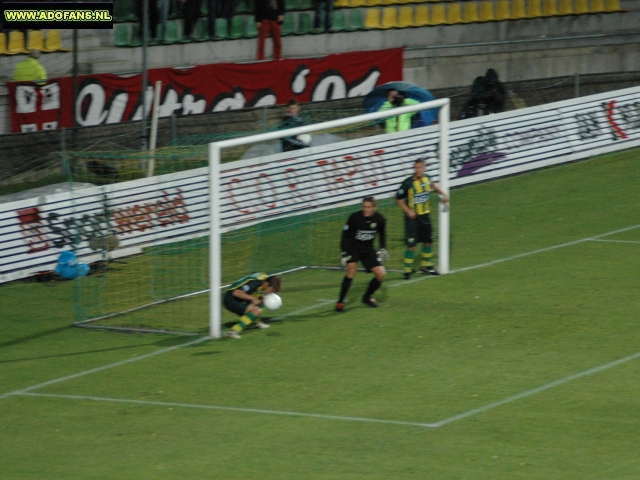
<point x="400" y="122"/>
<point x="488" y="95"/>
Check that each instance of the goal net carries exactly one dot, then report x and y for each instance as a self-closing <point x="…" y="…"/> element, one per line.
<point x="270" y="211"/>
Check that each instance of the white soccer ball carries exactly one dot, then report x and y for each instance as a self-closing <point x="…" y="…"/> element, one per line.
<point x="305" y="138"/>
<point x="272" y="301"/>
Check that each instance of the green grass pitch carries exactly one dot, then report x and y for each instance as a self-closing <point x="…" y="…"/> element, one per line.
<point x="521" y="364"/>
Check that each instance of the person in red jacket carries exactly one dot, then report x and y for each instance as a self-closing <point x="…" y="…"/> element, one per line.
<point x="269" y="15"/>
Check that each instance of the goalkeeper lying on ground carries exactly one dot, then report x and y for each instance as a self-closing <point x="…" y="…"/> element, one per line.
<point x="358" y="235"/>
<point x="244" y="298"/>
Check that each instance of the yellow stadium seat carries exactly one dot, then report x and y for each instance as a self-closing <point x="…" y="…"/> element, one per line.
<point x="388" y="2"/>
<point x="534" y="8"/>
<point x="53" y="42"/>
<point x="470" y="12"/>
<point x="3" y="44"/>
<point x="16" y="43"/>
<point x="486" y="12"/>
<point x="454" y="14"/>
<point x="357" y="3"/>
<point x="405" y="17"/>
<point x="519" y="9"/>
<point x="404" y="1"/>
<point x="422" y="16"/>
<point x="582" y="6"/>
<point x="438" y="14"/>
<point x="372" y="20"/>
<point x="503" y="10"/>
<point x="612" y="5"/>
<point x="341" y="3"/>
<point x="566" y="7"/>
<point x="35" y="40"/>
<point x="389" y="17"/>
<point x="550" y="8"/>
<point x="597" y="6"/>
<point x="373" y="3"/>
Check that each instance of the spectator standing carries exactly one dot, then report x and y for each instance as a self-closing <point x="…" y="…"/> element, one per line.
<point x="30" y="70"/>
<point x="321" y="5"/>
<point x="269" y="15"/>
<point x="191" y="12"/>
<point x="153" y="17"/>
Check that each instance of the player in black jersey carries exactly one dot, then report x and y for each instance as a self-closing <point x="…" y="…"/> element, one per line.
<point x="358" y="235"/>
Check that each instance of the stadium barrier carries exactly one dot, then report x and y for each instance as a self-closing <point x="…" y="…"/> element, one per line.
<point x="174" y="207"/>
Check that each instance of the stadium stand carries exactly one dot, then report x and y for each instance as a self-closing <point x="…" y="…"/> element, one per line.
<point x="352" y="15"/>
<point x="35" y="40"/>
<point x="16" y="43"/>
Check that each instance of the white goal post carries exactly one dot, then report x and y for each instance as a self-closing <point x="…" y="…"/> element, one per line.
<point x="216" y="187"/>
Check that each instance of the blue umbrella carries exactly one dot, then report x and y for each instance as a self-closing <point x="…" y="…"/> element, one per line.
<point x="376" y="97"/>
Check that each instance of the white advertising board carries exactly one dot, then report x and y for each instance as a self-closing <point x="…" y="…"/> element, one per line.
<point x="174" y="207"/>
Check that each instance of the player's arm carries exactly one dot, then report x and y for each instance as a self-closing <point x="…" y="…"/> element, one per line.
<point x="382" y="237"/>
<point x="347" y="241"/>
<point x="247" y="297"/>
<point x="436" y="188"/>
<point x="382" y="233"/>
<point x="401" y="196"/>
<point x="405" y="208"/>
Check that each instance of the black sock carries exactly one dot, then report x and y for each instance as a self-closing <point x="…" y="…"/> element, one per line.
<point x="346" y="285"/>
<point x="374" y="284"/>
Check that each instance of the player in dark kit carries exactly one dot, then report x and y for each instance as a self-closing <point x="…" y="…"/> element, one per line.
<point x="244" y="298"/>
<point x="413" y="197"/>
<point x="358" y="235"/>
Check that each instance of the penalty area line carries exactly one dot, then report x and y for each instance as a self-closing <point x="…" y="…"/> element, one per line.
<point x="525" y="254"/>
<point x="224" y="408"/>
<point x="143" y="357"/>
<point x="542" y="388"/>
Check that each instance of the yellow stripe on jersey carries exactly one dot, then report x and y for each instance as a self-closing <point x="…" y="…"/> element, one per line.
<point x="418" y="198"/>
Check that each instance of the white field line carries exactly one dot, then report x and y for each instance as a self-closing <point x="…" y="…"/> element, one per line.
<point x="325" y="302"/>
<point x="615" y="241"/>
<point x="528" y="393"/>
<point x="522" y="255"/>
<point x="104" y="367"/>
<point x="143" y="357"/>
<point x="439" y="424"/>
<point x="235" y="409"/>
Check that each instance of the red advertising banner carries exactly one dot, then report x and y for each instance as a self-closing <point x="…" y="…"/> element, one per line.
<point x="108" y="98"/>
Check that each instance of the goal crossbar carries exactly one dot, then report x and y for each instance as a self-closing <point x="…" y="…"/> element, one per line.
<point x="215" y="149"/>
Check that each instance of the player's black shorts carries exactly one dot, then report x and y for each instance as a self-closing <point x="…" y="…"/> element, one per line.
<point x="417" y="230"/>
<point x="234" y="304"/>
<point x="368" y="258"/>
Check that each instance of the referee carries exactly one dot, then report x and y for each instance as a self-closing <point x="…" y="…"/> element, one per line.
<point x="358" y="235"/>
<point x="413" y="197"/>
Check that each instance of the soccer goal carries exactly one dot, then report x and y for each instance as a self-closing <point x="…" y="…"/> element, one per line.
<point x="165" y="245"/>
<point x="287" y="196"/>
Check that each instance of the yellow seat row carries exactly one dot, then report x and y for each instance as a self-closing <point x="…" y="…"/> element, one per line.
<point x="501" y="9"/>
<point x="483" y="11"/>
<point x="14" y="43"/>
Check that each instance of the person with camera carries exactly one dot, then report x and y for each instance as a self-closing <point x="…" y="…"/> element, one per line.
<point x="488" y="95"/>
<point x="400" y="122"/>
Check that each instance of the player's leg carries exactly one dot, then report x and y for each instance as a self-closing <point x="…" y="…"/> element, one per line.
<point x="352" y="268"/>
<point x="426" y="249"/>
<point x="410" y="239"/>
<point x="373" y="264"/>
<point x="247" y="311"/>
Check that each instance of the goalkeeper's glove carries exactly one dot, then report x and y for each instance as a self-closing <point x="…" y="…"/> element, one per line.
<point x="344" y="259"/>
<point x="383" y="255"/>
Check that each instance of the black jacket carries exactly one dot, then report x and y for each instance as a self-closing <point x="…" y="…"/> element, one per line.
<point x="269" y="10"/>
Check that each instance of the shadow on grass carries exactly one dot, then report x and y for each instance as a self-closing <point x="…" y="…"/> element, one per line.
<point x="73" y="353"/>
<point x="18" y="341"/>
